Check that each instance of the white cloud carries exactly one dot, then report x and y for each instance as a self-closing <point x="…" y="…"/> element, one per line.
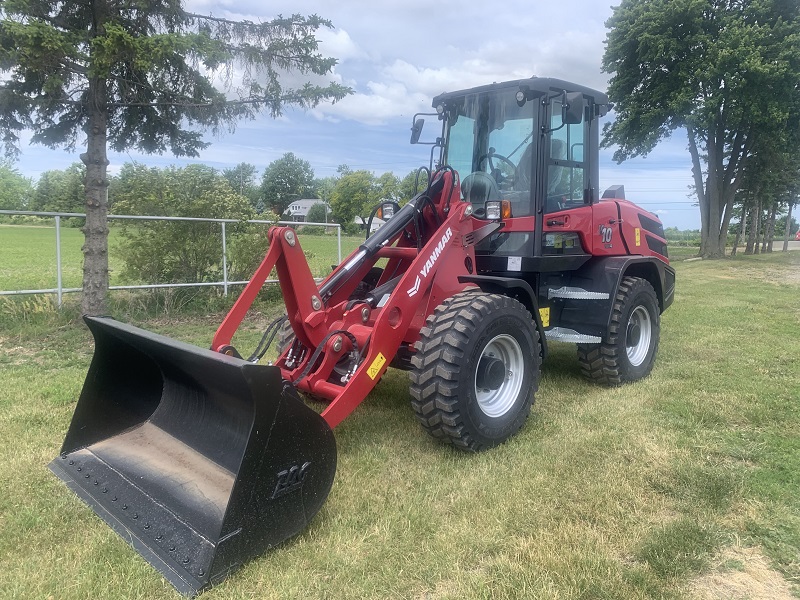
<point x="338" y="44"/>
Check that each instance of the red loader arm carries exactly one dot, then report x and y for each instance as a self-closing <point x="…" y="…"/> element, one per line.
<point x="343" y="345"/>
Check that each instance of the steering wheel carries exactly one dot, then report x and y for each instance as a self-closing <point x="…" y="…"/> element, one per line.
<point x="496" y="172"/>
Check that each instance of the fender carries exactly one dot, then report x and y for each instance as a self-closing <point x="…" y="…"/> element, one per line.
<point x="513" y="288"/>
<point x="605" y="275"/>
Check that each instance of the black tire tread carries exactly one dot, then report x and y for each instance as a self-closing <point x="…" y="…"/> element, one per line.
<point x="600" y="363"/>
<point x="437" y="364"/>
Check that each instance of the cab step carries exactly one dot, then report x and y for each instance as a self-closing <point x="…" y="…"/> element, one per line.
<point x="575" y="293"/>
<point x="562" y="334"/>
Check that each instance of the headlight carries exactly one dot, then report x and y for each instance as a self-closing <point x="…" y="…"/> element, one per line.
<point x="493" y="210"/>
<point x="498" y="209"/>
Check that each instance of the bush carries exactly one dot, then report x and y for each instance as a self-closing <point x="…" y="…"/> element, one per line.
<point x="312" y="230"/>
<point x="246" y="250"/>
<point x="176" y="251"/>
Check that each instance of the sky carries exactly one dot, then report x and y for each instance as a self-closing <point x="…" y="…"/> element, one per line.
<point x="397" y="55"/>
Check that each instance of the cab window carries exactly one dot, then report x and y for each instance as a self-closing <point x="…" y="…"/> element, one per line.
<point x="566" y="162"/>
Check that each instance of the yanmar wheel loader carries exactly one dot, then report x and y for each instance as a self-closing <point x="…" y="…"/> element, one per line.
<point x="202" y="459"/>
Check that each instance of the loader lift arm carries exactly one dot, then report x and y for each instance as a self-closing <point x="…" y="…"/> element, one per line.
<point x="331" y="329"/>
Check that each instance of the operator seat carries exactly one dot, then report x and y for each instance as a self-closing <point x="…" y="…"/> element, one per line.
<point x="478" y="188"/>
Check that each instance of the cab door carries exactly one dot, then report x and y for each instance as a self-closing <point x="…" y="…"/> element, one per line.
<point x="567" y="213"/>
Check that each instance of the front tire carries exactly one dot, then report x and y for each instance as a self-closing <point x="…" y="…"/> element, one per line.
<point x="628" y="351"/>
<point x="476" y="370"/>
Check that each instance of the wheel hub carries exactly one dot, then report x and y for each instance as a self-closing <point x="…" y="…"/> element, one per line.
<point x="638" y="335"/>
<point x="499" y="376"/>
<point x="634" y="334"/>
<point x="491" y="373"/>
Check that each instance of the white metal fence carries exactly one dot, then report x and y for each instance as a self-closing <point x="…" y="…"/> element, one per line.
<point x="60" y="290"/>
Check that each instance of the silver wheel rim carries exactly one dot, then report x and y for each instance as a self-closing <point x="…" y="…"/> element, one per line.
<point x="496" y="403"/>
<point x="637" y="353"/>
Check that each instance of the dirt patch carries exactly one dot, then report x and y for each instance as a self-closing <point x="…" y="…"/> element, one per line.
<point x="741" y="574"/>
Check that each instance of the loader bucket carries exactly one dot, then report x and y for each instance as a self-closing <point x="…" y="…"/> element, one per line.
<point x="199" y="460"/>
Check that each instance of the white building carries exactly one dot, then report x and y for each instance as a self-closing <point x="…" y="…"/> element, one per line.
<point x="298" y="210"/>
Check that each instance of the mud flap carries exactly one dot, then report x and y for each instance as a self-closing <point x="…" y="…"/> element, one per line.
<point x="199" y="460"/>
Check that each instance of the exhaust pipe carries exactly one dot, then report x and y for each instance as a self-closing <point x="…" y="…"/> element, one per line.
<point x="199" y="460"/>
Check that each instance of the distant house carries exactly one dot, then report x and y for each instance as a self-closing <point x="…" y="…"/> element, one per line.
<point x="298" y="210"/>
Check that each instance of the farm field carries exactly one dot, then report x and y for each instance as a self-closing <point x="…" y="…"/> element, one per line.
<point x="683" y="485"/>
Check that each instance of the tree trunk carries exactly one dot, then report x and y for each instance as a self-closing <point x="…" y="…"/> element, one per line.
<point x="700" y="187"/>
<point x="95" y="247"/>
<point x="752" y="236"/>
<point x="743" y="229"/>
<point x="759" y="225"/>
<point x="769" y="230"/>
<point x="788" y="229"/>
<point x="739" y="232"/>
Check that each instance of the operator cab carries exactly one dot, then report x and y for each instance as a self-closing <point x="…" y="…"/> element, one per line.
<point x="530" y="147"/>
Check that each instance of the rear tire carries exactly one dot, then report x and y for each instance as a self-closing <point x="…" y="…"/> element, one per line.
<point x="628" y="351"/>
<point x="476" y="370"/>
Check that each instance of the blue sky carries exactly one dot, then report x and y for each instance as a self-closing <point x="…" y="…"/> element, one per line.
<point x="397" y="55"/>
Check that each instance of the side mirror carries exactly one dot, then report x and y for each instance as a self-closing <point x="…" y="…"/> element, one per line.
<point x="416" y="130"/>
<point x="572" y="108"/>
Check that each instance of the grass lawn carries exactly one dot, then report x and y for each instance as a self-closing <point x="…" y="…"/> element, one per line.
<point x="673" y="487"/>
<point x="28" y="256"/>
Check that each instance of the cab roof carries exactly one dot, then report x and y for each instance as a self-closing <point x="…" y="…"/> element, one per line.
<point x="542" y="85"/>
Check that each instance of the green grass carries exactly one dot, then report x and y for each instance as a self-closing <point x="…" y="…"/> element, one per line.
<point x="28" y="256"/>
<point x="606" y="493"/>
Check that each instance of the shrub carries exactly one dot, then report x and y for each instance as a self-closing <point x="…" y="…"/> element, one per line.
<point x="176" y="251"/>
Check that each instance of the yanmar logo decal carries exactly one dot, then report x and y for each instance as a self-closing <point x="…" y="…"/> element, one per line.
<point x="426" y="268"/>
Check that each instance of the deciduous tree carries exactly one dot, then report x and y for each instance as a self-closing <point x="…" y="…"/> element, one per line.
<point x="146" y="75"/>
<point x="15" y="190"/>
<point x="285" y="180"/>
<point x="243" y="179"/>
<point x="726" y="71"/>
<point x="61" y="190"/>
<point x="354" y="194"/>
<point x="318" y="213"/>
<point x="412" y="184"/>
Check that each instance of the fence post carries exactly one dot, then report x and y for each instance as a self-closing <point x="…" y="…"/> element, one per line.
<point x="224" y="261"/>
<point x="339" y="243"/>
<point x="59" y="285"/>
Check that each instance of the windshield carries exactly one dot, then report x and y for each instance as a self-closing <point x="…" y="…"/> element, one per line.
<point x="490" y="145"/>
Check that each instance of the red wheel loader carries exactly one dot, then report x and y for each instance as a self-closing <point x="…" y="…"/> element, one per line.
<point x="202" y="459"/>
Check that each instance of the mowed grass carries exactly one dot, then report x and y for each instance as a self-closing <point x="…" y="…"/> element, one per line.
<point x="630" y="492"/>
<point x="28" y="256"/>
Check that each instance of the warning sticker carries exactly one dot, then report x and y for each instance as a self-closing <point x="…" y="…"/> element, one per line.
<point x="375" y="367"/>
<point x="544" y="314"/>
<point x="638" y="236"/>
